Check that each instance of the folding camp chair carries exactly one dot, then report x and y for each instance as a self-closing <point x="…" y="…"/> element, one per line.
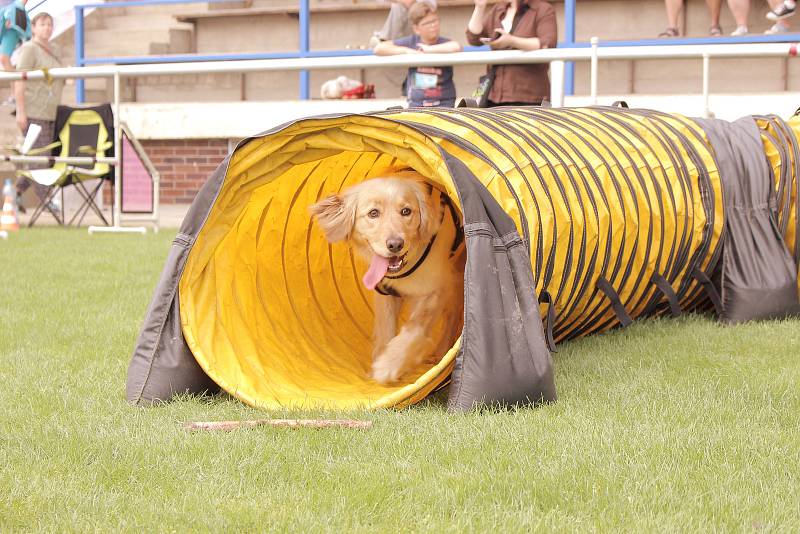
<point x="82" y="132"/>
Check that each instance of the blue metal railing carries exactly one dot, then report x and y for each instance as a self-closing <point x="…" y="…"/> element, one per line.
<point x="304" y="20"/>
<point x="305" y="52"/>
<point x="569" y="40"/>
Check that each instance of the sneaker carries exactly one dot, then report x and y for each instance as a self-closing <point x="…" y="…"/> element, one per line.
<point x="740" y="31"/>
<point x="783" y="11"/>
<point x="778" y="27"/>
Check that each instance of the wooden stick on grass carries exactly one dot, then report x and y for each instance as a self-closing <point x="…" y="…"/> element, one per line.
<point x="287" y="423"/>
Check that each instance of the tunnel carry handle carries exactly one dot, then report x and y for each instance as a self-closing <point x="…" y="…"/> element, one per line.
<point x="545" y="296"/>
<point x="616" y="304"/>
<point x="708" y="285"/>
<point x="666" y="289"/>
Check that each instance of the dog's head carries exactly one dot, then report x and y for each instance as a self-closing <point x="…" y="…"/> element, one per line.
<point x="389" y="219"/>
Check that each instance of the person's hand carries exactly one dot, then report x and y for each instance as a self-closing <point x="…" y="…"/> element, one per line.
<point x="422" y="47"/>
<point x="22" y="122"/>
<point x="414" y="50"/>
<point x="503" y="42"/>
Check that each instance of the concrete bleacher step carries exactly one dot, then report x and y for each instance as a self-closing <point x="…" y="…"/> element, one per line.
<point x="120" y="32"/>
<point x="160" y="9"/>
<point x="179" y="42"/>
<point x="107" y="42"/>
<point x="124" y="22"/>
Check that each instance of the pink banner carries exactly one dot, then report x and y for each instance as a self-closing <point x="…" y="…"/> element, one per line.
<point x="137" y="185"/>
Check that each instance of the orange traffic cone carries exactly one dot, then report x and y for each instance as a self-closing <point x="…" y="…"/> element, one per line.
<point x="9" y="220"/>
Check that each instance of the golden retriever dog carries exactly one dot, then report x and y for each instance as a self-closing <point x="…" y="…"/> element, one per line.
<point x="411" y="236"/>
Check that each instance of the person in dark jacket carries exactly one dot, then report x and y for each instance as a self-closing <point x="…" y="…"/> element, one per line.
<point x="521" y="25"/>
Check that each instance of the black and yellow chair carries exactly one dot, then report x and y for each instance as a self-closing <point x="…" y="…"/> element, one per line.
<point x="79" y="132"/>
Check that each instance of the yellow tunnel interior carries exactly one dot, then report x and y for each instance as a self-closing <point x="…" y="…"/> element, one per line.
<point x="272" y="312"/>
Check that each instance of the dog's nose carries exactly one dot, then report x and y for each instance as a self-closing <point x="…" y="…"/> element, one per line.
<point x="394" y="244"/>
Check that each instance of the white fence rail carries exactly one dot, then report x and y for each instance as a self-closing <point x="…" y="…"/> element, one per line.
<point x="556" y="57"/>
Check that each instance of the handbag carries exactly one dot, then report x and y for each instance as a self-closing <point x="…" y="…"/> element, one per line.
<point x="481" y="93"/>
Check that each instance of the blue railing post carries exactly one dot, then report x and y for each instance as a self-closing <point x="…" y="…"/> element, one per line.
<point x="569" y="31"/>
<point x="305" y="81"/>
<point x="80" y="89"/>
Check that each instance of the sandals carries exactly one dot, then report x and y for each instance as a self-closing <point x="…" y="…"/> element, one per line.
<point x="713" y="31"/>
<point x="669" y="32"/>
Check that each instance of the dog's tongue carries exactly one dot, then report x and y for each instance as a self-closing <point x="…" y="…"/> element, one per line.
<point x="377" y="270"/>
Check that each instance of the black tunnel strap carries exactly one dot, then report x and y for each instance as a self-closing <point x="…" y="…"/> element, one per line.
<point x="666" y="289"/>
<point x="545" y="296"/>
<point x="459" y="237"/>
<point x="712" y="292"/>
<point x="616" y="304"/>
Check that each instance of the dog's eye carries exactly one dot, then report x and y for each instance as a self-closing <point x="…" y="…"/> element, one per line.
<point x="373" y="213"/>
<point x="405" y="212"/>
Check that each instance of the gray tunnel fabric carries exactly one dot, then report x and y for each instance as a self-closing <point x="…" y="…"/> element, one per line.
<point x="162" y="364"/>
<point x="503" y="357"/>
<point x="758" y="275"/>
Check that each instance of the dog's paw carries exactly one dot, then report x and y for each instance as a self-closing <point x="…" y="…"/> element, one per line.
<point x="377" y="350"/>
<point x="385" y="371"/>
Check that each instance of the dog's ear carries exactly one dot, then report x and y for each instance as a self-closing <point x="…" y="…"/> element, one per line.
<point x="430" y="210"/>
<point x="336" y="216"/>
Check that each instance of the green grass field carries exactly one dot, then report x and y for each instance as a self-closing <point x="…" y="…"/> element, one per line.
<point x="669" y="425"/>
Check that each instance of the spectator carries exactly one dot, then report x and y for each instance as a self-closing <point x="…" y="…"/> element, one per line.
<point x="426" y="86"/>
<point x="674" y="8"/>
<point x="38" y="100"/>
<point x="780" y="11"/>
<point x="740" y="10"/>
<point x="397" y="23"/>
<point x="519" y="24"/>
<point x="14" y="28"/>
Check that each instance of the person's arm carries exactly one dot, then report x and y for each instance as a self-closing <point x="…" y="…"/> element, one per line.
<point x="547" y="29"/>
<point x="8" y="42"/>
<point x="546" y="35"/>
<point x="22" y="116"/>
<point x="25" y="61"/>
<point x="476" y="27"/>
<point x="441" y="48"/>
<point x="388" y="48"/>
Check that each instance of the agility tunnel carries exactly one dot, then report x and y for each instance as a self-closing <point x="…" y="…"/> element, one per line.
<point x="576" y="220"/>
